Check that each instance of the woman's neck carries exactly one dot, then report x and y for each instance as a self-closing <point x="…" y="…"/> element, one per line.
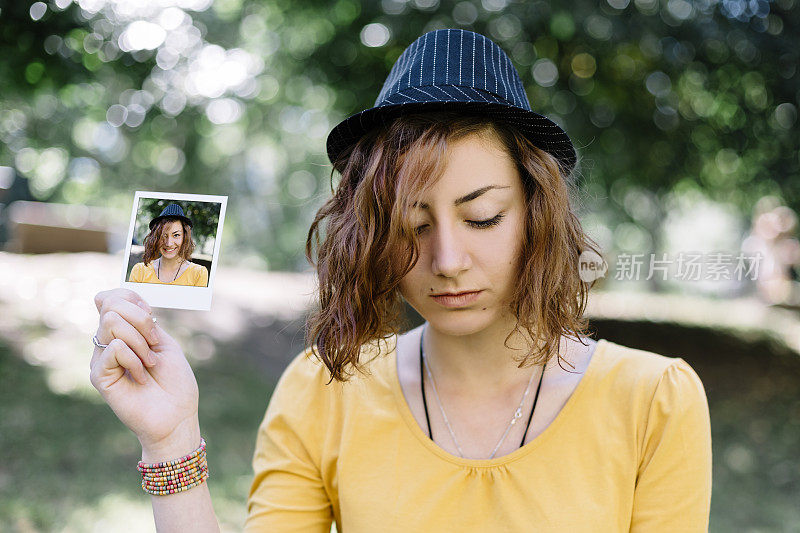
<point x="169" y="265"/>
<point x="472" y="365"/>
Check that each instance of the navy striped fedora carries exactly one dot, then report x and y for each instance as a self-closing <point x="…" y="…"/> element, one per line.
<point x="457" y="70"/>
<point x="171" y="211"/>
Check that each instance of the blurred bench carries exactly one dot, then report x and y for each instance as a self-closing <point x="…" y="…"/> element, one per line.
<point x="40" y="227"/>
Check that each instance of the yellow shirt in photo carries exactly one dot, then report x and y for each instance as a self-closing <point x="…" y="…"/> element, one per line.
<point x="194" y="276"/>
<point x="629" y="451"/>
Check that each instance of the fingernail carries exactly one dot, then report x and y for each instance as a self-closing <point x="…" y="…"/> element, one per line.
<point x="154" y="336"/>
<point x="151" y="357"/>
<point x="144" y="306"/>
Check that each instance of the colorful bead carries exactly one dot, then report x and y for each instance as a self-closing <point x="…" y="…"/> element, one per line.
<point x="170" y="477"/>
<point x="174" y="462"/>
<point x="173" y="490"/>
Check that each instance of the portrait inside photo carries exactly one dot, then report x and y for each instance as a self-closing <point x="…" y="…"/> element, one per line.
<point x="173" y="247"/>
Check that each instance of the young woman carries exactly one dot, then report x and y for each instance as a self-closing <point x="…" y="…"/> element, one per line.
<point x="170" y="240"/>
<point x="498" y="413"/>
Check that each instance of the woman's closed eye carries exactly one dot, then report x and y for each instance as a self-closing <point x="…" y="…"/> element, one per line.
<point x="479" y="224"/>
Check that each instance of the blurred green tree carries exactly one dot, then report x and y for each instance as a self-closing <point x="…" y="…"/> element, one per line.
<point x="237" y="96"/>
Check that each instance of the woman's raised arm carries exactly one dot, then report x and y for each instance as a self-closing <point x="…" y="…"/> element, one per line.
<point x="145" y="378"/>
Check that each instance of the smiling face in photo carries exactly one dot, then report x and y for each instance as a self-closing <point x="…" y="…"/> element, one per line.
<point x="470" y="231"/>
<point x="172" y="239"/>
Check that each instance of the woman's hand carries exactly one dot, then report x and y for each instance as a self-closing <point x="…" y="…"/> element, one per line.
<point x="143" y="375"/>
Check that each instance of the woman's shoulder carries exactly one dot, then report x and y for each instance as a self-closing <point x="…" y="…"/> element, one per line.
<point x="145" y="266"/>
<point x="307" y="364"/>
<point x="305" y="369"/>
<point x="198" y="268"/>
<point x="308" y="376"/>
<point x="626" y="368"/>
<point x="646" y="386"/>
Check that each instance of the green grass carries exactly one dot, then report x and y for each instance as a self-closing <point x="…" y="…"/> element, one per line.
<point x="69" y="463"/>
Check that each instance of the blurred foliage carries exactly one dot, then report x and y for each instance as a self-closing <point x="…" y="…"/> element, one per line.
<point x="102" y="98"/>
<point x="204" y="217"/>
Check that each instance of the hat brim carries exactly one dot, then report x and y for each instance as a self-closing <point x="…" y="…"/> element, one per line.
<point x="540" y="130"/>
<point x="185" y="219"/>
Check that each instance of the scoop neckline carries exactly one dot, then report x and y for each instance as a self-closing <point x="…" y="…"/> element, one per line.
<point x="174" y="280"/>
<point x="555" y="425"/>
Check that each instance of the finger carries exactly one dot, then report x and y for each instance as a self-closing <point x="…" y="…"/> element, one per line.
<point x="164" y="338"/>
<point x="115" y="359"/>
<point x="144" y="305"/>
<point x="126" y="294"/>
<point x="112" y="327"/>
<point x="98" y="299"/>
<point x="135" y="341"/>
<point x="138" y="317"/>
<point x="124" y="357"/>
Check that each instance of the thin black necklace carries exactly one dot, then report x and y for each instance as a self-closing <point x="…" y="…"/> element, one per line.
<point x="425" y="403"/>
<point x="158" y="274"/>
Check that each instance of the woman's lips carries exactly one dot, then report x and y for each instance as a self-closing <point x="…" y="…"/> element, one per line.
<point x="459" y="300"/>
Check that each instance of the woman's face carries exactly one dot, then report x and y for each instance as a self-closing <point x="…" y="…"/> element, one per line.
<point x="171" y="239"/>
<point x="470" y="232"/>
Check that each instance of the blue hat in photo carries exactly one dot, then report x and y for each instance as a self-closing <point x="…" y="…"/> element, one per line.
<point x="172" y="211"/>
<point x="452" y="69"/>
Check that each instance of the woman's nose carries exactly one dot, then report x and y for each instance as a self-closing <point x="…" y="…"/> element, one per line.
<point x="450" y="254"/>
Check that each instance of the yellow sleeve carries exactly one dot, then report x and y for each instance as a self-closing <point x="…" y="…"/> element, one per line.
<point x="202" y="277"/>
<point x="287" y="492"/>
<point x="673" y="484"/>
<point x="137" y="276"/>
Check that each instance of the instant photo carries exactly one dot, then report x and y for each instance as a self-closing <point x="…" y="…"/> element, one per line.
<point x="172" y="248"/>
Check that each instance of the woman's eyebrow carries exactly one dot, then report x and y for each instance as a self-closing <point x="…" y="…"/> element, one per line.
<point x="467" y="197"/>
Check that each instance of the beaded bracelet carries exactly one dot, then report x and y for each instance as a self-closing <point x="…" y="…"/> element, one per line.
<point x="169" y="477"/>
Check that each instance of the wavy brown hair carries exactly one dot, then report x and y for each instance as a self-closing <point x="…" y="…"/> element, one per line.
<point x="371" y="245"/>
<point x="156" y="237"/>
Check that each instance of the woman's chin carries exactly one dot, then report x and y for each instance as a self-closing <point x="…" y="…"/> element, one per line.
<point x="461" y="322"/>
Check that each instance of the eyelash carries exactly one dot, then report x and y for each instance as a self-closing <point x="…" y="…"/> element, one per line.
<point x="478" y="224"/>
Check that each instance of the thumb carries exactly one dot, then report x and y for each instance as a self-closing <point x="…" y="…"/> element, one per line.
<point x="164" y="338"/>
<point x="162" y="334"/>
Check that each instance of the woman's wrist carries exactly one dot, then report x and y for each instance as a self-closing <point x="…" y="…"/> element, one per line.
<point x="183" y="440"/>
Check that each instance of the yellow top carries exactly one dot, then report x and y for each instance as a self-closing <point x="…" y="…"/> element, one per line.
<point x="194" y="276"/>
<point x="629" y="451"/>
